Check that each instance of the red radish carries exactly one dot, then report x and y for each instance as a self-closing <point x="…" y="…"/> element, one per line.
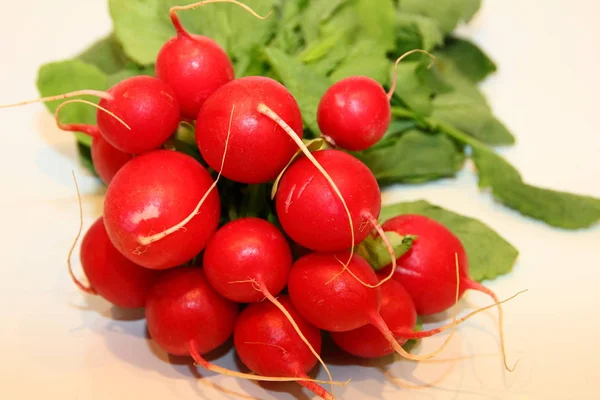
<point x="110" y="274"/>
<point x="245" y="253"/>
<point x="157" y="190"/>
<point x="260" y="149"/>
<point x="150" y="109"/>
<point x="136" y="115"/>
<point x="268" y="345"/>
<point x="355" y="112"/>
<point x="183" y="310"/>
<point x="337" y="302"/>
<point x="194" y="66"/>
<point x="249" y="260"/>
<point x="309" y="210"/>
<point x="398" y="312"/>
<point x="107" y="159"/>
<point x="428" y="267"/>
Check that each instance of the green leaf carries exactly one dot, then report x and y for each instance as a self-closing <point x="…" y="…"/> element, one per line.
<point x="142" y="27"/>
<point x="472" y="116"/>
<point x="447" y="13"/>
<point x="317" y="12"/>
<point x="374" y="250"/>
<point x="106" y="54"/>
<point x="288" y="36"/>
<point x="470" y="60"/>
<point x="377" y="22"/>
<point x="416" y="32"/>
<point x="364" y="58"/>
<point x="410" y="88"/>
<point x="414" y="156"/>
<point x="68" y="76"/>
<point x="489" y="254"/>
<point x="560" y="209"/>
<point x="306" y="86"/>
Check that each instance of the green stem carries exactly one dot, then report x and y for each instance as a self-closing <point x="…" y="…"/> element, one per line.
<point x="437" y="126"/>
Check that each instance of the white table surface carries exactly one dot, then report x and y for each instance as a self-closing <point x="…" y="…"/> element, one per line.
<point x="56" y="343"/>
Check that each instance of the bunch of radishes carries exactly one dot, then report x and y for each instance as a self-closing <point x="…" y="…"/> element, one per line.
<point x="159" y="244"/>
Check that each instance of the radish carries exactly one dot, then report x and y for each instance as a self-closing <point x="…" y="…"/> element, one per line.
<point x="260" y="149"/>
<point x="268" y="345"/>
<point x="110" y="274"/>
<point x="337" y="302"/>
<point x="155" y="190"/>
<point x="312" y="215"/>
<point x="245" y="255"/>
<point x="148" y="106"/>
<point x="194" y="66"/>
<point x="136" y="115"/>
<point x="355" y="112"/>
<point x="183" y="310"/>
<point x="249" y="260"/>
<point x="107" y="159"/>
<point x="428" y="267"/>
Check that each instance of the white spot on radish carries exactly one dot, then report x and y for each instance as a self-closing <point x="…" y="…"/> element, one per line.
<point x="288" y="201"/>
<point x="151" y="211"/>
<point x="303" y="188"/>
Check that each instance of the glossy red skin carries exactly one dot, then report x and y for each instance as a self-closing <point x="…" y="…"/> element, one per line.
<point x="258" y="148"/>
<point x="355" y="112"/>
<point x="313" y="215"/>
<point x="429" y="268"/>
<point x="153" y="192"/>
<point x="194" y="67"/>
<point x="107" y="159"/>
<point x="398" y="312"/>
<point x="182" y="306"/>
<point x="267" y="343"/>
<point x="111" y="275"/>
<point x="337" y="305"/>
<point x="150" y="109"/>
<point x="247" y="248"/>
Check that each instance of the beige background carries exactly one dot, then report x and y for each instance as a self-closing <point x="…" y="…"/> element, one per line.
<point x="56" y="343"/>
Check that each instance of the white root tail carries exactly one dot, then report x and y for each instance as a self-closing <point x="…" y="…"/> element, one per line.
<point x="86" y="289"/>
<point x="97" y="93"/>
<point x="147" y="240"/>
<point x="60" y="125"/>
<point x="198" y="359"/>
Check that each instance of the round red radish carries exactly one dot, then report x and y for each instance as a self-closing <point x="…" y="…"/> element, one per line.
<point x="194" y="67"/>
<point x="155" y="191"/>
<point x="110" y="274"/>
<point x="247" y="249"/>
<point x="430" y="265"/>
<point x="330" y="299"/>
<point x="268" y="345"/>
<point x="312" y="214"/>
<point x="398" y="312"/>
<point x="182" y="308"/>
<point x="148" y="106"/>
<point x="107" y="159"/>
<point x="258" y="148"/>
<point x="355" y="113"/>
